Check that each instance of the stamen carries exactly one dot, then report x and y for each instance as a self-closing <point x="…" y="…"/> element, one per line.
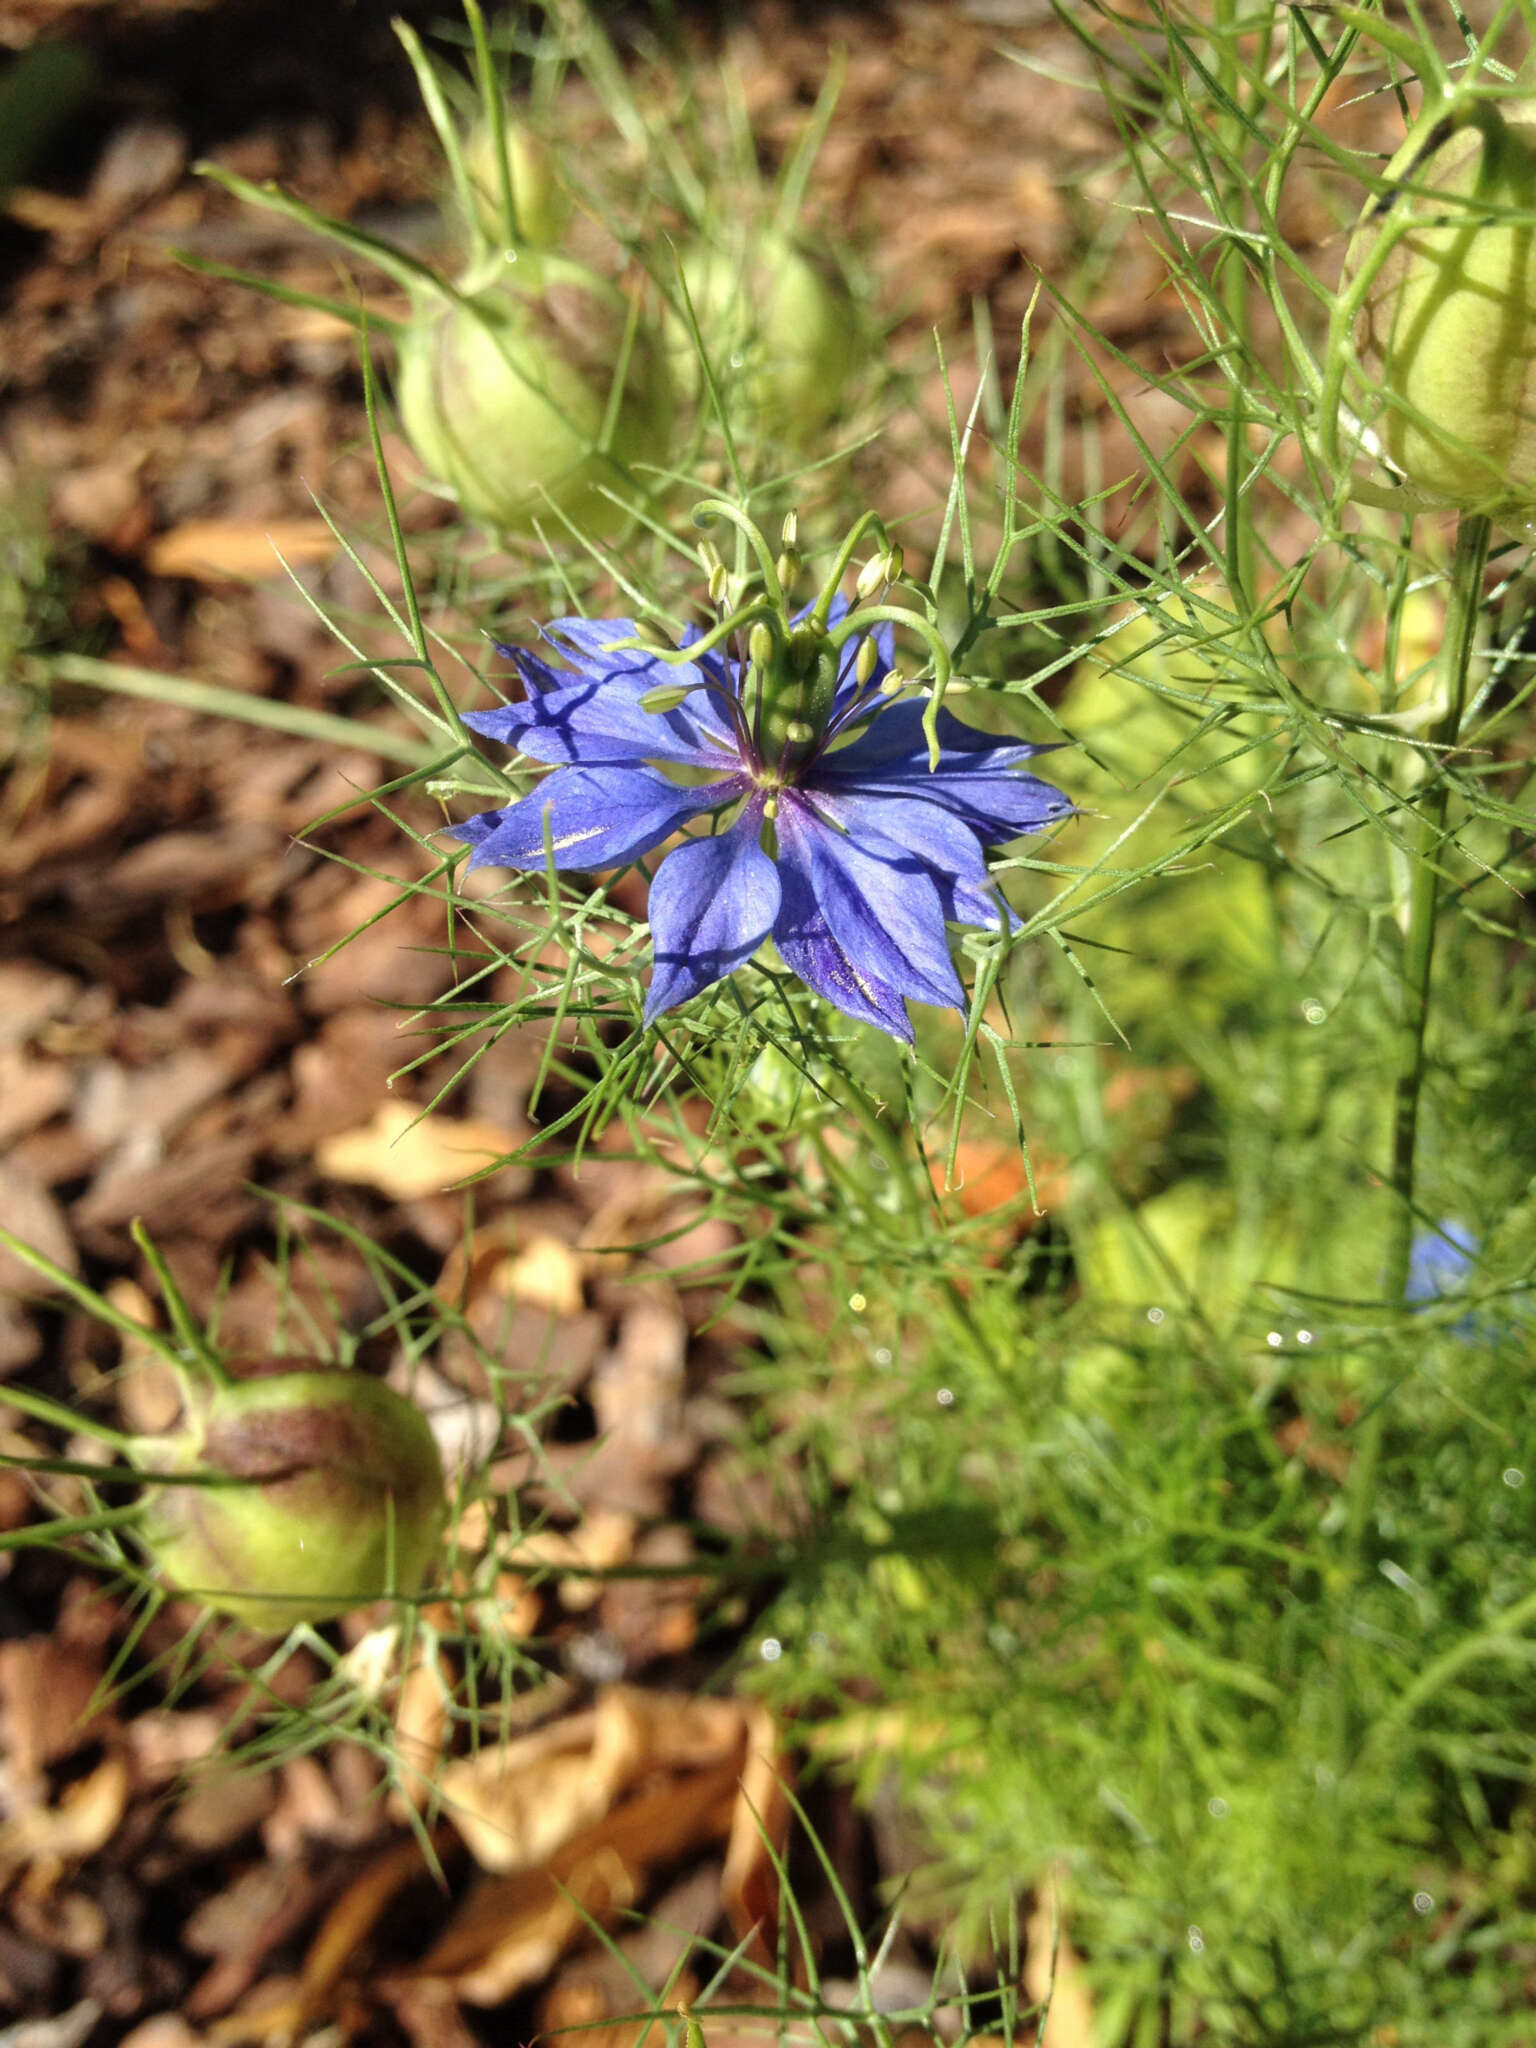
<point x="667" y="696"/>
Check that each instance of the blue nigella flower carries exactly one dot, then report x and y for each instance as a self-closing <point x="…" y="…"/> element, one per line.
<point x="1440" y="1262"/>
<point x="834" y="836"/>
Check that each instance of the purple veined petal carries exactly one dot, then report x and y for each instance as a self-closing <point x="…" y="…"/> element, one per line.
<point x="713" y="903"/>
<point x="872" y="931"/>
<point x="597" y="818"/>
<point x="995" y="807"/>
<point x="976" y="778"/>
<point x="597" y="724"/>
<point x="595" y="642"/>
<point x="806" y="944"/>
<point x="595" y="719"/>
<point x="895" y="736"/>
<point x="597" y="653"/>
<point x="946" y="846"/>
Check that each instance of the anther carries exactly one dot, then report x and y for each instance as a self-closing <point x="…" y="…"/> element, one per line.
<point x="665" y="697"/>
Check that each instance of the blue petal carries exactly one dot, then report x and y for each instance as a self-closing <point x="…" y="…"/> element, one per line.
<point x="713" y="903"/>
<point x="592" y="713"/>
<point x="863" y="927"/>
<point x="975" y="778"/>
<point x="947" y="848"/>
<point x="804" y="938"/>
<point x="597" y="818"/>
<point x="1440" y="1261"/>
<point x="597" y="724"/>
<point x="896" y="735"/>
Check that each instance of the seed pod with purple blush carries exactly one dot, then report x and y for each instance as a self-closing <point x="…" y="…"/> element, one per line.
<point x="294" y="1494"/>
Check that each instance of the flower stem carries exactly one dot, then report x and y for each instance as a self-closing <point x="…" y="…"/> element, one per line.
<point x="1472" y="536"/>
<point x="1471" y="554"/>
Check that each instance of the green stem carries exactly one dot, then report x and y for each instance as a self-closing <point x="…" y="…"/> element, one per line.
<point x="1472" y="537"/>
<point x="867" y="522"/>
<point x="1471" y="554"/>
<point x="1233" y="266"/>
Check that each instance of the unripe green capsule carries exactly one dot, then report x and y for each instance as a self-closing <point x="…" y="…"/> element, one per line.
<point x="1444" y="267"/>
<point x="504" y="394"/>
<point x="335" y="1497"/>
<point x="781" y="332"/>
<point x="541" y="203"/>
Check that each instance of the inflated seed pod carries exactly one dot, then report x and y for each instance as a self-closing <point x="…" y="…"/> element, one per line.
<point x="505" y="394"/>
<point x="780" y="331"/>
<point x="541" y="201"/>
<point x="1444" y="266"/>
<point x="334" y="1495"/>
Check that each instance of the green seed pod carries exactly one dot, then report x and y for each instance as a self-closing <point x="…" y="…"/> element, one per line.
<point x="1443" y="269"/>
<point x="780" y="331"/>
<point x="336" y="1496"/>
<point x="541" y="201"/>
<point x="504" y="394"/>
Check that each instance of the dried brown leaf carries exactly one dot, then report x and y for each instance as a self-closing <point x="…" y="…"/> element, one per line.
<point x="510" y="1930"/>
<point x="85" y="1820"/>
<point x="1053" y="1971"/>
<point x="238" y="550"/>
<point x="405" y="1153"/>
<point x="749" y="1886"/>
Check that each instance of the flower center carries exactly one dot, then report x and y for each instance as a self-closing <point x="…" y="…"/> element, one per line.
<point x="787" y="691"/>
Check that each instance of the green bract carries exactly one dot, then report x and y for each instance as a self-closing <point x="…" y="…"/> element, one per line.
<point x="780" y="332"/>
<point x="335" y="1497"/>
<point x="1443" y="270"/>
<point x="507" y="393"/>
